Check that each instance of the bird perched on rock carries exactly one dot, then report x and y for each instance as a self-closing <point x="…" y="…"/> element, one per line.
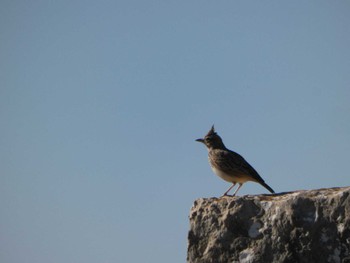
<point x="228" y="164"/>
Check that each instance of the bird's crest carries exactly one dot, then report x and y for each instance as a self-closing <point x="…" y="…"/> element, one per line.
<point x="211" y="131"/>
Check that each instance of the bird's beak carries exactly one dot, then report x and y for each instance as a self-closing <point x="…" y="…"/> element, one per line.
<point x="200" y="140"/>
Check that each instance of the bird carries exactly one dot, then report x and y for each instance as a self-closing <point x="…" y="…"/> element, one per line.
<point x="229" y="165"/>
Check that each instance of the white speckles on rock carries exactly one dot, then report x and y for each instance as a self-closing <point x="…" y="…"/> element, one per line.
<point x="253" y="231"/>
<point x="246" y="256"/>
<point x="316" y="215"/>
<point x="266" y="205"/>
<point x="340" y="227"/>
<point x="276" y="214"/>
<point x="309" y="225"/>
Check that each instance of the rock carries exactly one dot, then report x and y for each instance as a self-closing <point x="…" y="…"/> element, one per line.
<point x="302" y="226"/>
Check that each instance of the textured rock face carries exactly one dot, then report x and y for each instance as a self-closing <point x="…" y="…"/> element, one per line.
<point x="301" y="226"/>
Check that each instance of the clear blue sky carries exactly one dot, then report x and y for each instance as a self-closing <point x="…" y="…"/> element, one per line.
<point x="101" y="103"/>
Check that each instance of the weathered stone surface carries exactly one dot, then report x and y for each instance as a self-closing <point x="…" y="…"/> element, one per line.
<point x="302" y="226"/>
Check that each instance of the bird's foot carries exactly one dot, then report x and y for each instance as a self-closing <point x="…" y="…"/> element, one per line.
<point x="226" y="195"/>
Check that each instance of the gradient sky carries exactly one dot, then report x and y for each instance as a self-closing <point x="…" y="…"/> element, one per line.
<point x="101" y="103"/>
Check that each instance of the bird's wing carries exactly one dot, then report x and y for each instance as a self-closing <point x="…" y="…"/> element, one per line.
<point x="238" y="163"/>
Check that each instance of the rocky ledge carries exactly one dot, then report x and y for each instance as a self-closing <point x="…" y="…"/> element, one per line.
<point x="301" y="226"/>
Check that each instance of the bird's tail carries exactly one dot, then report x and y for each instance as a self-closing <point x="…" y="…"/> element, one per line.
<point x="267" y="187"/>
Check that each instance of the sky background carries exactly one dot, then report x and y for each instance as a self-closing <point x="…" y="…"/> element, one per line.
<point x="101" y="103"/>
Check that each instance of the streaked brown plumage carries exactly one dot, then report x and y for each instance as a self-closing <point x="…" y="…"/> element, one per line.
<point x="228" y="164"/>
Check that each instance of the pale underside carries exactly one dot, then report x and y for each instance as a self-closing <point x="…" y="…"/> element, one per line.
<point x="232" y="179"/>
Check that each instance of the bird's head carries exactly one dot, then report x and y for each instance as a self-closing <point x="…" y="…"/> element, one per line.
<point x="212" y="140"/>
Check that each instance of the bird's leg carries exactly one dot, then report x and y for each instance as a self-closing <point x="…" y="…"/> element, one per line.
<point x="233" y="184"/>
<point x="240" y="185"/>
